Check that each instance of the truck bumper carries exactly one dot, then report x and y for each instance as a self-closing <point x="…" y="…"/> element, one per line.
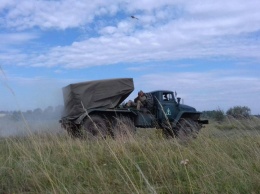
<point x="203" y="121"/>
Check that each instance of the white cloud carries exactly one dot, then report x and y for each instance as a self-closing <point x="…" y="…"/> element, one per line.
<point x="156" y="45"/>
<point x="6" y="4"/>
<point x="54" y="14"/>
<point x="194" y="30"/>
<point x="68" y="13"/>
<point x="9" y="39"/>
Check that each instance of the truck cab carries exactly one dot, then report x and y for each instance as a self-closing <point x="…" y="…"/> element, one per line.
<point x="165" y="105"/>
<point x="165" y="111"/>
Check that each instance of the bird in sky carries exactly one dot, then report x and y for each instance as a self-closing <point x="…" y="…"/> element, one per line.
<point x="134" y="17"/>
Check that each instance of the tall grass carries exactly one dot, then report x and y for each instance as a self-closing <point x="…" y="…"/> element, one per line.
<point x="219" y="160"/>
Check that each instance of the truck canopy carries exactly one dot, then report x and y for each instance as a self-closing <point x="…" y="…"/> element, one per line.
<point x="79" y="97"/>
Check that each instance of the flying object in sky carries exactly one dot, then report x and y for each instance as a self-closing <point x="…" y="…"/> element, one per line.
<point x="134" y="17"/>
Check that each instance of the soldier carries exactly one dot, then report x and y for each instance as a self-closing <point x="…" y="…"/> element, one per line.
<point x="139" y="101"/>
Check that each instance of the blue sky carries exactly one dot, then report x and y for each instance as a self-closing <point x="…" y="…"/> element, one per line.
<point x="207" y="51"/>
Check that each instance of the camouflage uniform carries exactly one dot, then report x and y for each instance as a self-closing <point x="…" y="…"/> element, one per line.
<point x="139" y="101"/>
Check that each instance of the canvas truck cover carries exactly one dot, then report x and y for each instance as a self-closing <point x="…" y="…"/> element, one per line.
<point x="95" y="94"/>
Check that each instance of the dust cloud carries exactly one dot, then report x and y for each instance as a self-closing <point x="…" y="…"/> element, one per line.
<point x="24" y="124"/>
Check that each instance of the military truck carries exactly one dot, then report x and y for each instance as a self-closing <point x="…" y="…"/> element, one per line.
<point x="97" y="109"/>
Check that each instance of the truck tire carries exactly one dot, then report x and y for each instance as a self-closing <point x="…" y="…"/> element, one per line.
<point x="187" y="129"/>
<point x="167" y="129"/>
<point x="73" y="130"/>
<point x="123" y="127"/>
<point x="95" y="127"/>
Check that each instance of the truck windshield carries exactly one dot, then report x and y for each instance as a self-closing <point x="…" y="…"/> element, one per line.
<point x="167" y="96"/>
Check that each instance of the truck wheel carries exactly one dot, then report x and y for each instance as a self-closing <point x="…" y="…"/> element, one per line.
<point x="123" y="127"/>
<point x="167" y="129"/>
<point x="95" y="127"/>
<point x="187" y="129"/>
<point x="72" y="130"/>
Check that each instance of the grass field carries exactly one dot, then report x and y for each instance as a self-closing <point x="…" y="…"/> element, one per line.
<point x="224" y="158"/>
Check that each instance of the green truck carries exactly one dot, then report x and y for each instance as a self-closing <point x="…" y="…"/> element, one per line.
<point x="97" y="109"/>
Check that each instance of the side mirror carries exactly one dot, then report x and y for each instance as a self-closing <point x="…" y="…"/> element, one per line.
<point x="178" y="100"/>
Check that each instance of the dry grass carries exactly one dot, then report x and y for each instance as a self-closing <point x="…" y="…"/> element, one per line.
<point x="218" y="161"/>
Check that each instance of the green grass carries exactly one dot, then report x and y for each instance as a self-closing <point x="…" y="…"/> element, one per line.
<point x="220" y="161"/>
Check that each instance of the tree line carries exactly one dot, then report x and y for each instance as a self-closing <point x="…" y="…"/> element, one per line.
<point x="49" y="112"/>
<point x="237" y="112"/>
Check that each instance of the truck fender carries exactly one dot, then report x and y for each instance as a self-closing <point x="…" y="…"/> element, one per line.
<point x="186" y="114"/>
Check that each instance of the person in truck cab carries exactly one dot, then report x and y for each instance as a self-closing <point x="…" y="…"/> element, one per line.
<point x="165" y="97"/>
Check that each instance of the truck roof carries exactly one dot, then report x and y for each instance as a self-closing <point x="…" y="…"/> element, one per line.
<point x="167" y="91"/>
<point x="108" y="93"/>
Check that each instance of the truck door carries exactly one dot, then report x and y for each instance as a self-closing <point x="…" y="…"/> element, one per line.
<point x="167" y="106"/>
